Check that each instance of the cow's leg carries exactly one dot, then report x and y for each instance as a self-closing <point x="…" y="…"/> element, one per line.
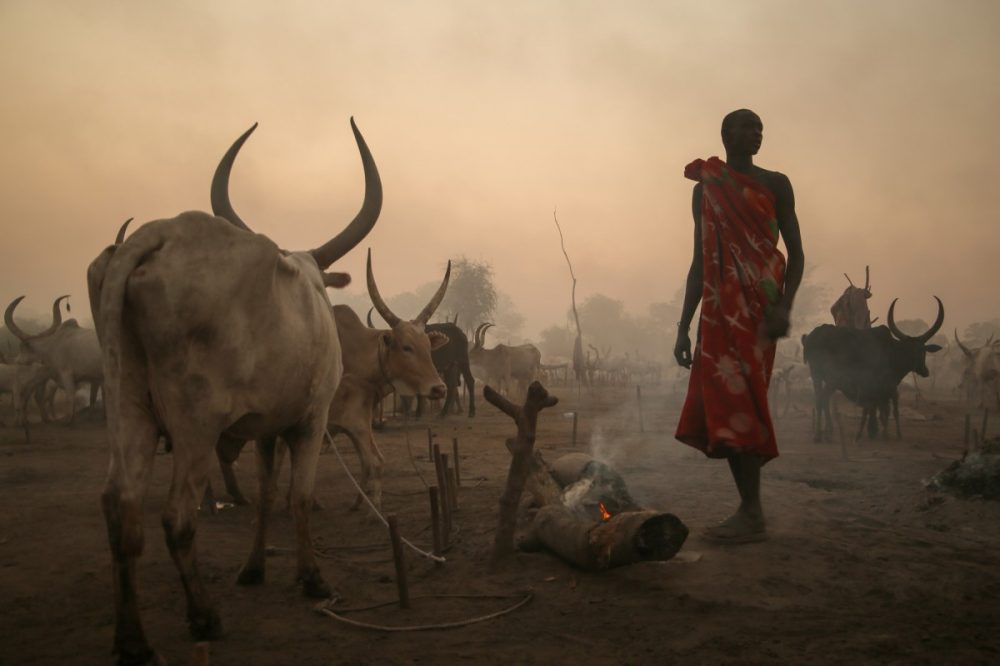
<point x="470" y="386"/>
<point x="861" y="426"/>
<point x="69" y="387"/>
<point x="252" y="572"/>
<point x="304" y="447"/>
<point x="93" y="393"/>
<point x="133" y="450"/>
<point x="364" y="445"/>
<point x="895" y="414"/>
<point x="192" y="457"/>
<point x="227" y="451"/>
<point x="818" y="412"/>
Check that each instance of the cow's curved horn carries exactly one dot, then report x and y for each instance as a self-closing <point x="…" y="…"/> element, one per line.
<point x="8" y="318"/>
<point x="220" y="183"/>
<point x="120" y="238"/>
<point x="363" y="222"/>
<point x="891" y="322"/>
<point x="429" y="309"/>
<point x="368" y="318"/>
<point x="476" y="341"/>
<point x="482" y="339"/>
<point x="376" y="297"/>
<point x="965" y="350"/>
<point x="936" y="326"/>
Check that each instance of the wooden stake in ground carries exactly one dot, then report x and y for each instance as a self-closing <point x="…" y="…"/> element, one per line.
<point x="454" y="450"/>
<point x="443" y="495"/>
<point x="522" y="450"/>
<point x="400" y="560"/>
<point x="430" y="445"/>
<point x="435" y="519"/>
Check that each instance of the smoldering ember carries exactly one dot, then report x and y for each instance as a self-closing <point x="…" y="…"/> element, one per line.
<point x="438" y="333"/>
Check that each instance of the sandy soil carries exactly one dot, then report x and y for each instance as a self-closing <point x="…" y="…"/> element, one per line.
<point x="863" y="564"/>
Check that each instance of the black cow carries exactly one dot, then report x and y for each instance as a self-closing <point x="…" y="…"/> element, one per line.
<point x="866" y="366"/>
<point x="452" y="363"/>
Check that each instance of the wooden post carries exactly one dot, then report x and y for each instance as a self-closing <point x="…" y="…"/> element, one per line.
<point x="575" y="416"/>
<point x="443" y="494"/>
<point x="522" y="450"/>
<point x="435" y="519"/>
<point x="400" y="560"/>
<point x="638" y="400"/>
<point x="452" y="485"/>
<point x="430" y="445"/>
<point x="454" y="450"/>
<point x="968" y="430"/>
<point x="986" y="418"/>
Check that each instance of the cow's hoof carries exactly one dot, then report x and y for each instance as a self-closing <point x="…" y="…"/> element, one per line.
<point x="314" y="587"/>
<point x="205" y="626"/>
<point x="250" y="576"/>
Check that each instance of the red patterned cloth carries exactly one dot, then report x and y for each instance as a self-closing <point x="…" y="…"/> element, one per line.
<point x="726" y="406"/>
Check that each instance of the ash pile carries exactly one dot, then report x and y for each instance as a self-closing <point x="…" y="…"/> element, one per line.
<point x="977" y="474"/>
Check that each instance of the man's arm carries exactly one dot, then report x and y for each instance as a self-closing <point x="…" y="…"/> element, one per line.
<point x="693" y="287"/>
<point x="788" y="226"/>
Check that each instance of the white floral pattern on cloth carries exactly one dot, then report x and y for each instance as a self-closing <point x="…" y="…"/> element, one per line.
<point x="726" y="406"/>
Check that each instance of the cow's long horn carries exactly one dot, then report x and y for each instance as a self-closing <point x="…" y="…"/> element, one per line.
<point x="482" y="340"/>
<point x="220" y="183"/>
<point x="936" y="326"/>
<point x="965" y="350"/>
<point x="368" y="318"/>
<point x="8" y="318"/>
<point x="476" y="341"/>
<point x="363" y="222"/>
<point x="429" y="309"/>
<point x="120" y="238"/>
<point x="376" y="297"/>
<point x="891" y="322"/>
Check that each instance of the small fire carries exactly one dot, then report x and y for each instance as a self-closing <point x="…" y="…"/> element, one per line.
<point x="605" y="514"/>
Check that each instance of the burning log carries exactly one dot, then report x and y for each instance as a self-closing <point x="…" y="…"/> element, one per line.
<point x="588" y="516"/>
<point x="624" y="538"/>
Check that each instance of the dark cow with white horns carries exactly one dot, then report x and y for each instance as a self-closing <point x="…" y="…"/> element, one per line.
<point x="212" y="333"/>
<point x="865" y="365"/>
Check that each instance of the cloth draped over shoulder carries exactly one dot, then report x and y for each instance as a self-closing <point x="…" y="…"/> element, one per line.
<point x="726" y="406"/>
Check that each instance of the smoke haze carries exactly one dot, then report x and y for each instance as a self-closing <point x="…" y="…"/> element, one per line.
<point x="482" y="117"/>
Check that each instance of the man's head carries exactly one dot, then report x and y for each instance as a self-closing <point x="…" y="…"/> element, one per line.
<point x="742" y="132"/>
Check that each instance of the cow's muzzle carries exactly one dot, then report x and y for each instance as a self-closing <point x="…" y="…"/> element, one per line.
<point x="437" y="392"/>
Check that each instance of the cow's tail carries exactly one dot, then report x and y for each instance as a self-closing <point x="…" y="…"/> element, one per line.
<point x="108" y="306"/>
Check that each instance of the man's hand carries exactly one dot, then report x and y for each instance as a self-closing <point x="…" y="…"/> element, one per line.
<point x="776" y="322"/>
<point x="682" y="348"/>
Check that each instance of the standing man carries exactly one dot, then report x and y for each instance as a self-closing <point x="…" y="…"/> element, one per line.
<point x="746" y="291"/>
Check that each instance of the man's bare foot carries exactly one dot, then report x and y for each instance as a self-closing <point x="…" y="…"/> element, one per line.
<point x="741" y="527"/>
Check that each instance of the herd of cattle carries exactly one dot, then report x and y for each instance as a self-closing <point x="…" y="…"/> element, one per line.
<point x="209" y="335"/>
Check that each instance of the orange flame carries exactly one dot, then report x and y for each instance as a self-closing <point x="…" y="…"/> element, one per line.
<point x="605" y="514"/>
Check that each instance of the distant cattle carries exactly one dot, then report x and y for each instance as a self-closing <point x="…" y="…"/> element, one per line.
<point x="866" y="366"/>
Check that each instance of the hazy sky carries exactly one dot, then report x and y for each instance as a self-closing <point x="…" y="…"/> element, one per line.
<point x="483" y="116"/>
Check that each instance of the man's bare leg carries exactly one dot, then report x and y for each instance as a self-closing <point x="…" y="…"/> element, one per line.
<point x="747" y="524"/>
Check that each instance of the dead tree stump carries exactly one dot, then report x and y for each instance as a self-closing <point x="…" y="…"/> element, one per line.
<point x="522" y="450"/>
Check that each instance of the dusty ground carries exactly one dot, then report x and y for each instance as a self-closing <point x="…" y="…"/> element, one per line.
<point x="863" y="565"/>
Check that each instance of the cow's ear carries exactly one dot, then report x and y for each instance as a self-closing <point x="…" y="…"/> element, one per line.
<point x="336" y="280"/>
<point x="930" y="349"/>
<point x="438" y="339"/>
<point x="387" y="339"/>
